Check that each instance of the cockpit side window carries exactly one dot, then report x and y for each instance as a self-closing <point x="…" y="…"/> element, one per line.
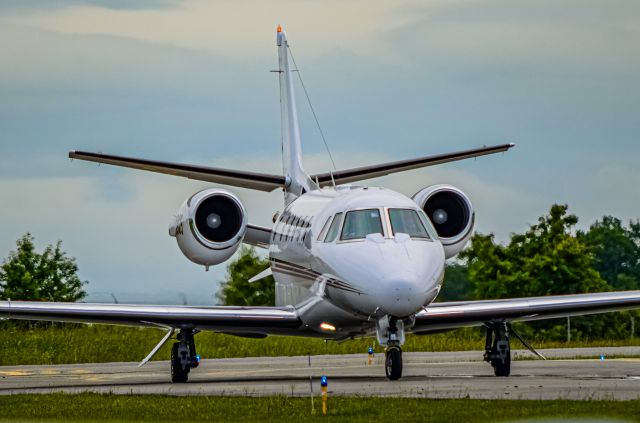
<point x="333" y="229"/>
<point x="324" y="230"/>
<point x="360" y="223"/>
<point x="427" y="223"/>
<point x="408" y="222"/>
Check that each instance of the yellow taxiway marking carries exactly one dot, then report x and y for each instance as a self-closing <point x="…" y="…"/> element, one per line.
<point x="14" y="373"/>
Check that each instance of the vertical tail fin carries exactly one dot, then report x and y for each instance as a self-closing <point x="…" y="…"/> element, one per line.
<point x="299" y="181"/>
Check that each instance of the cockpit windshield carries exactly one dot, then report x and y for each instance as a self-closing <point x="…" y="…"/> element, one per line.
<point x="360" y="223"/>
<point x="408" y="222"/>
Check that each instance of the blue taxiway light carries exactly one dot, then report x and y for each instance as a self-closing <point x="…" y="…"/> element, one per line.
<point x="323" y="381"/>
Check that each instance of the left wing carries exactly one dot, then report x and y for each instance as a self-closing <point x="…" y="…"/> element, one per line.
<point x="229" y="319"/>
<point x="450" y="315"/>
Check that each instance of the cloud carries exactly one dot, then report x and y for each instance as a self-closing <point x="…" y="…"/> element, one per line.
<point x="40" y="6"/>
<point x="241" y="27"/>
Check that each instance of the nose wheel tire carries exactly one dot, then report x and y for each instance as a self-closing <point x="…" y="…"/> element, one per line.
<point x="393" y="363"/>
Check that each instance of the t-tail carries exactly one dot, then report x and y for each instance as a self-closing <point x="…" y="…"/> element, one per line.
<point x="298" y="182"/>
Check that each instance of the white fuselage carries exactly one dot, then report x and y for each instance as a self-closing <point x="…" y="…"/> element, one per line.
<point x="353" y="279"/>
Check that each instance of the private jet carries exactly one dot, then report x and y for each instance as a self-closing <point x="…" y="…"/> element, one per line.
<point x="349" y="261"/>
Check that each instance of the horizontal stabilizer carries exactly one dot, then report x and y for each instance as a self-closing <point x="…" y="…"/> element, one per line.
<point x="375" y="171"/>
<point x="243" y="179"/>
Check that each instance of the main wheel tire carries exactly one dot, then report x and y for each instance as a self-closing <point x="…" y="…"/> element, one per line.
<point x="393" y="363"/>
<point x="178" y="374"/>
<point x="502" y="369"/>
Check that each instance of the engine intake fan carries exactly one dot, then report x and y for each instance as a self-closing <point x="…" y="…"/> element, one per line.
<point x="451" y="213"/>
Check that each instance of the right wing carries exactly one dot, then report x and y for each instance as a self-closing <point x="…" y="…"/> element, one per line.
<point x="228" y="319"/>
<point x="368" y="172"/>
<point x="236" y="178"/>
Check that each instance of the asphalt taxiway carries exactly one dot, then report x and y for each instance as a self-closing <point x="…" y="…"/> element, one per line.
<point x="428" y="375"/>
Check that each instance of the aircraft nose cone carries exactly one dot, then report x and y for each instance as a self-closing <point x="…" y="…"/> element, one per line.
<point x="400" y="297"/>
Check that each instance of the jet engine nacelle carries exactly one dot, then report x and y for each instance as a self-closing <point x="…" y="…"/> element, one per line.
<point x="451" y="213"/>
<point x="210" y="226"/>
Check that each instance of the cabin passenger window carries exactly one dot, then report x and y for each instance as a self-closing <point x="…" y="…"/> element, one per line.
<point x="360" y="223"/>
<point x="333" y="229"/>
<point x="288" y="230"/>
<point x="408" y="222"/>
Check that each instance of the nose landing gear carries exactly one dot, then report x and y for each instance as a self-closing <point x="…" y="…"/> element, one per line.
<point x="390" y="333"/>
<point x="183" y="356"/>
<point x="393" y="362"/>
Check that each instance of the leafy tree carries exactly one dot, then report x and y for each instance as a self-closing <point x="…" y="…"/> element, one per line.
<point x="545" y="260"/>
<point x="236" y="290"/>
<point x="616" y="251"/>
<point x="456" y="285"/>
<point x="50" y="276"/>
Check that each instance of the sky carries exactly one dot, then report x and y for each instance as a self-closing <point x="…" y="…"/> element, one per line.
<point x="189" y="81"/>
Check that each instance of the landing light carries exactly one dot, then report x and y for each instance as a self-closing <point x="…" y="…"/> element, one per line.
<point x="327" y="326"/>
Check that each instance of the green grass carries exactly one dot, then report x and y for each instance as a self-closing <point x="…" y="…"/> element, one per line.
<point x="95" y="407"/>
<point x="97" y="343"/>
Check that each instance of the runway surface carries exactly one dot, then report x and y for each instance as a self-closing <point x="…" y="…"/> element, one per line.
<point x="428" y="375"/>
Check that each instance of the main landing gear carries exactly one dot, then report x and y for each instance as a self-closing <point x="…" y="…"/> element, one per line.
<point x="497" y="349"/>
<point x="183" y="356"/>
